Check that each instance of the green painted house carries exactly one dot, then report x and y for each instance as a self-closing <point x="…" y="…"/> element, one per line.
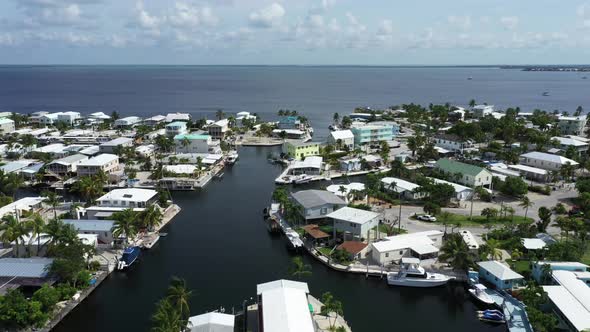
<point x="471" y="175"/>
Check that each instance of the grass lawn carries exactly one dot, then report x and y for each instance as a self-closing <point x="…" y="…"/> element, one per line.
<point x="522" y="267"/>
<point x="325" y="251"/>
<point x="383" y="229"/>
<point x="481" y="220"/>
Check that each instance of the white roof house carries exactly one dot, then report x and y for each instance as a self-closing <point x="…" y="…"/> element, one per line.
<point x="23" y="204"/>
<point x="499" y="270"/>
<point x="342" y="134"/>
<point x="212" y="322"/>
<point x="533" y="243"/>
<point x="400" y="185"/>
<point x="469" y="239"/>
<point x="420" y="242"/>
<point x="127" y="121"/>
<point x="98" y="116"/>
<point x="335" y="189"/>
<point x="171" y="117"/>
<point x="567" y="141"/>
<point x="51" y="148"/>
<point x="309" y="162"/>
<point x="285" y="307"/>
<point x="547" y="157"/>
<point x="99" y="160"/>
<point x="130" y="197"/>
<point x="572" y="298"/>
<point x="356" y="216"/>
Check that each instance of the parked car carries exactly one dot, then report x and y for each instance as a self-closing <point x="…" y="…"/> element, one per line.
<point x="427" y="217"/>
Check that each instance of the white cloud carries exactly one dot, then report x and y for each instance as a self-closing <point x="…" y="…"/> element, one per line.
<point x="7" y="39"/>
<point x="385" y="28"/>
<point x="267" y="17"/>
<point x="146" y="20"/>
<point x="509" y="22"/>
<point x="583" y="12"/>
<point x="187" y="15"/>
<point x="316" y="21"/>
<point x="462" y="22"/>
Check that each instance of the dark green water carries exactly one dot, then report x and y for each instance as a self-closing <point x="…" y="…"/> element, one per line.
<point x="219" y="244"/>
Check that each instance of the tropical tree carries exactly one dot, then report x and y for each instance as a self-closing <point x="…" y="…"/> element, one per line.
<point x="150" y="217"/>
<point x="299" y="269"/>
<point x="51" y="199"/>
<point x="544" y="219"/>
<point x="166" y="318"/>
<point x="331" y="305"/>
<point x="179" y="296"/>
<point x="37" y="226"/>
<point x="489" y="213"/>
<point x="525" y="203"/>
<point x="494" y="250"/>
<point x="125" y="224"/>
<point x="456" y="252"/>
<point x="219" y="114"/>
<point x="13" y="231"/>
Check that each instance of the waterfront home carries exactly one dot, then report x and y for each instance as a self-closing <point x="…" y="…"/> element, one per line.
<point x="244" y="115"/>
<point x="106" y="212"/>
<point x="29" y="173"/>
<point x="422" y="245"/>
<point x="283" y="307"/>
<point x="174" y="117"/>
<point x="17" y="208"/>
<point x="405" y="189"/>
<point x="192" y="143"/>
<point x="564" y="143"/>
<point x="176" y="128"/>
<point x="452" y="143"/>
<point x="570" y="300"/>
<point x="499" y="275"/>
<point x="348" y="164"/>
<point x="6" y="126"/>
<point x="480" y="111"/>
<point x="218" y="129"/>
<point x="53" y="150"/>
<point x="342" y="138"/>
<point x="347" y="191"/>
<point x="128" y="121"/>
<point x="529" y="172"/>
<point x="178" y="170"/>
<point x="35" y="117"/>
<point x="101" y="228"/>
<point x="461" y="192"/>
<point x="309" y="166"/>
<point x="29" y="272"/>
<point x="154" y="120"/>
<point x="355" y="224"/>
<point x="300" y="150"/>
<point x="66" y="165"/>
<point x="108" y="163"/>
<point x="289" y="122"/>
<point x="542" y="270"/>
<point x="290" y="133"/>
<point x="67" y="117"/>
<point x="467" y="174"/>
<point x="98" y="116"/>
<point x="355" y="249"/>
<point x="17" y="165"/>
<point x="113" y="145"/>
<point x="546" y="161"/>
<point x="572" y="125"/>
<point x="211" y="322"/>
<point x="317" y="204"/>
<point x="372" y="133"/>
<point x="128" y="198"/>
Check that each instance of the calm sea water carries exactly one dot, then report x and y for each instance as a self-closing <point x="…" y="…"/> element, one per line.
<point x="317" y="92"/>
<point x="218" y="242"/>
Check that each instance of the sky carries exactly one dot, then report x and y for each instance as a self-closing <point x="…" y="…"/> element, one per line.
<point x="295" y="32"/>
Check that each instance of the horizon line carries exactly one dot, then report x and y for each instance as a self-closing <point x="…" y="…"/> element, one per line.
<point x="303" y="65"/>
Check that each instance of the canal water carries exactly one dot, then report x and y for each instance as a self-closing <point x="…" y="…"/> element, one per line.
<point x="220" y="245"/>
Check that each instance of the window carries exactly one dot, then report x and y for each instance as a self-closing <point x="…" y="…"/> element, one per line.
<point x="386" y="254"/>
<point x="401" y="252"/>
<point x="324" y="210"/>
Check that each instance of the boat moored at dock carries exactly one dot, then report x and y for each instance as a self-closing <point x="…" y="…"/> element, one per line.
<point x="411" y="274"/>
<point x="130" y="255"/>
<point x="479" y="292"/>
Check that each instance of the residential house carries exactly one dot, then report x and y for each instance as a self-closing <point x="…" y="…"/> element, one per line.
<point x="529" y="172"/>
<point x="17" y="208"/>
<point x="461" y="192"/>
<point x="108" y="163"/>
<point x="355" y="249"/>
<point x="211" y="322"/>
<point x="569" y="299"/>
<point x="283" y="306"/>
<point x="66" y="165"/>
<point x="467" y="174"/>
<point x="564" y="143"/>
<point x="480" y="111"/>
<point x="70" y="117"/>
<point x="372" y="133"/>
<point x="154" y="120"/>
<point x="29" y="272"/>
<point x="290" y="133"/>
<point x="6" y="126"/>
<point x="309" y="166"/>
<point x="129" y="121"/>
<point x="348" y="164"/>
<point x="174" y="117"/>
<point x="128" y="198"/>
<point x="113" y="145"/>
<point x="499" y="275"/>
<point x="421" y="245"/>
<point x="35" y="117"/>
<point x="342" y="138"/>
<point x="406" y="189"/>
<point x="546" y="161"/>
<point x="176" y="128"/>
<point x="345" y="191"/>
<point x="193" y="143"/>
<point x="300" y="150"/>
<point x="98" y="117"/>
<point x="289" y="122"/>
<point x="572" y="125"/>
<point x="355" y="224"/>
<point x="317" y="204"/>
<point x="452" y="143"/>
<point x="101" y="228"/>
<point x="542" y="270"/>
<point x="218" y="129"/>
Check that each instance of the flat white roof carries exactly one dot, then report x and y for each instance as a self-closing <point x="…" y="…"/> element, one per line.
<point x="533" y="243"/>
<point x="212" y="322"/>
<point x="180" y="169"/>
<point x="572" y="297"/>
<point x="549" y="158"/>
<point x="458" y="188"/>
<point x="353" y="215"/>
<point x="529" y="169"/>
<point x="129" y="194"/>
<point x="289" y="131"/>
<point x="413" y="240"/>
<point x="99" y="160"/>
<point x="342" y="134"/>
<point x="285" y="307"/>
<point x="309" y="162"/>
<point x="499" y="270"/>
<point x="51" y="148"/>
<point x="469" y="239"/>
<point x="569" y="141"/>
<point x="400" y="185"/>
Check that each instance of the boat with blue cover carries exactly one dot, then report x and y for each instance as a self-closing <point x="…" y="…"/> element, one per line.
<point x="130" y="255"/>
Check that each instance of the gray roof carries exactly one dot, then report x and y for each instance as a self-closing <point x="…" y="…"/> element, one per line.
<point x="70" y="159"/>
<point x="91" y="225"/>
<point x="312" y="198"/>
<point x="117" y="141"/>
<point x="25" y="267"/>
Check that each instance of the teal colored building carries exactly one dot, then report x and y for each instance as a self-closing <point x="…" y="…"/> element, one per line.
<point x="374" y="133"/>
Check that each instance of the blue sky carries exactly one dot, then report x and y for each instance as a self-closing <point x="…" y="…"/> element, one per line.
<point x="370" y="32"/>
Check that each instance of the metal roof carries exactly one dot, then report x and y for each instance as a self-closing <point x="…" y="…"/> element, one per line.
<point x="453" y="166"/>
<point x="312" y="198"/>
<point x="499" y="270"/>
<point x="553" y="158"/>
<point x="91" y="225"/>
<point x="25" y="267"/>
<point x="353" y="215"/>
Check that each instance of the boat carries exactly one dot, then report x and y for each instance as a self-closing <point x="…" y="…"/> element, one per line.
<point x="411" y="274"/>
<point x="130" y="255"/>
<point x="491" y="316"/>
<point x="295" y="243"/>
<point x="469" y="78"/>
<point x="479" y="293"/>
<point x="232" y="158"/>
<point x="545" y="94"/>
<point x="302" y="179"/>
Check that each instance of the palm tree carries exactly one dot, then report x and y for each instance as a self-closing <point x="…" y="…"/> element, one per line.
<point x="151" y="217"/>
<point x="37" y="226"/>
<point x="166" y="318"/>
<point x="472" y="103"/>
<point x="219" y="114"/>
<point x="51" y="199"/>
<point x="456" y="252"/>
<point x="299" y="269"/>
<point x="185" y="142"/>
<point x="525" y="203"/>
<point x="13" y="231"/>
<point x="445" y="217"/>
<point x="331" y="305"/>
<point x="179" y="295"/>
<point x="494" y="250"/>
<point x="125" y="224"/>
<point x="199" y="165"/>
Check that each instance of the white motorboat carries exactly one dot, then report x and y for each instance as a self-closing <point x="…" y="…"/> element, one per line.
<point x="412" y="274"/>
<point x="232" y="157"/>
<point x="479" y="293"/>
